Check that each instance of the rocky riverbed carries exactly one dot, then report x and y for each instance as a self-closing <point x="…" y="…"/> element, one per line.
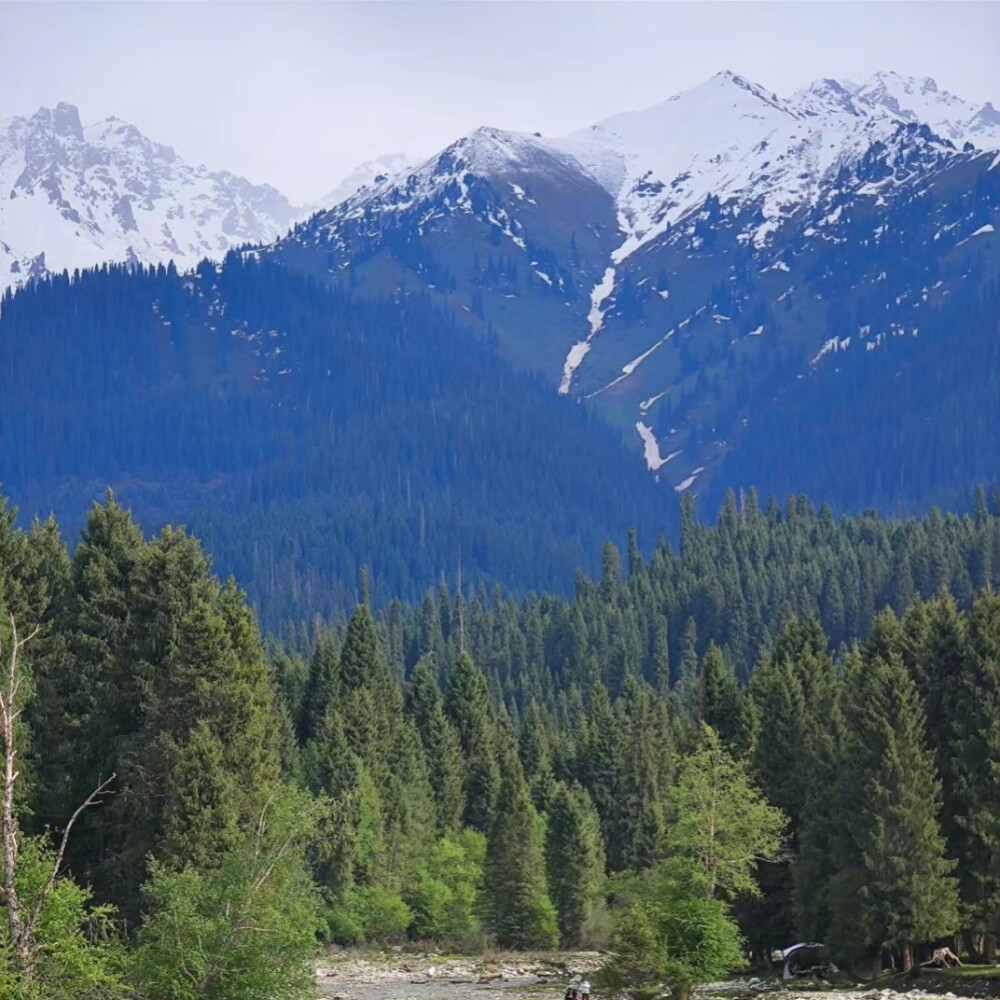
<point x="436" y="977"/>
<point x="399" y="976"/>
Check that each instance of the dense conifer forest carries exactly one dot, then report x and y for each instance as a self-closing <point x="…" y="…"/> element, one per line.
<point x="786" y="730"/>
<point x="301" y="431"/>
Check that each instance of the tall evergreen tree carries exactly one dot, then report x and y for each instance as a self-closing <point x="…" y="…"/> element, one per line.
<point x="575" y="863"/>
<point x="425" y="706"/>
<point x="521" y="914"/>
<point x="893" y="887"/>
<point x="640" y="813"/>
<point x="602" y="760"/>
<point x="973" y="766"/>
<point x="722" y="702"/>
<point x="535" y="753"/>
<point x="468" y="706"/>
<point x="321" y="686"/>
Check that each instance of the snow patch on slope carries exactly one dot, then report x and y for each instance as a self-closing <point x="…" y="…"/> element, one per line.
<point x="651" y="447"/>
<point x="598" y="295"/>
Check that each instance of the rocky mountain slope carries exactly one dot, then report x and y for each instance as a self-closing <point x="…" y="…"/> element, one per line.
<point x="73" y="196"/>
<point x="681" y="269"/>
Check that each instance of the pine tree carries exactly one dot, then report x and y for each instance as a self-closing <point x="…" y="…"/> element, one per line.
<point x="201" y="815"/>
<point x="611" y="574"/>
<point x="370" y="701"/>
<point x="687" y="689"/>
<point x="639" y="798"/>
<point x="106" y="700"/>
<point x="602" y="764"/>
<point x="659" y="654"/>
<point x="575" y="863"/>
<point x="723" y="703"/>
<point x="321" y="686"/>
<point x="535" y="753"/>
<point x="973" y="765"/>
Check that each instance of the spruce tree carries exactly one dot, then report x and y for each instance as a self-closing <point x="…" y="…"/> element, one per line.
<point x="601" y="758"/>
<point x="201" y="813"/>
<point x="639" y="798"/>
<point x="974" y="765"/>
<point x="106" y="699"/>
<point x="521" y="914"/>
<point x="535" y="753"/>
<point x="778" y="767"/>
<point x="321" y="686"/>
<point x="893" y="887"/>
<point x="370" y="702"/>
<point x="468" y="706"/>
<point x="687" y="690"/>
<point x="575" y="863"/>
<point x="722" y="702"/>
<point x="446" y="768"/>
<point x="659" y="655"/>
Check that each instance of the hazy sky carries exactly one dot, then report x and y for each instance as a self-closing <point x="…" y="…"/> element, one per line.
<point x="299" y="93"/>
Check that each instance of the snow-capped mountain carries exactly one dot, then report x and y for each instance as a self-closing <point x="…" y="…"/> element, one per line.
<point x="924" y="102"/>
<point x="367" y="175"/>
<point x="451" y="178"/>
<point x="681" y="271"/>
<point x="74" y="196"/>
<point x="730" y="137"/>
<point x="679" y="268"/>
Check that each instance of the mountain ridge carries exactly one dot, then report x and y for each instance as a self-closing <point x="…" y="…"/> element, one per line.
<point x="74" y="196"/>
<point x="658" y="269"/>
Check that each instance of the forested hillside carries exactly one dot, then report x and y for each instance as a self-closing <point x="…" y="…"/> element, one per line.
<point x="475" y="769"/>
<point x="303" y="432"/>
<point x="734" y="585"/>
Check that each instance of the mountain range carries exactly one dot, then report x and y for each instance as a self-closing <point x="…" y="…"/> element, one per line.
<point x="682" y="268"/>
<point x="74" y="196"/>
<point x="730" y="288"/>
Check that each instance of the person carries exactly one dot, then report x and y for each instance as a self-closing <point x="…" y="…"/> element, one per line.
<point x="584" y="990"/>
<point x="571" y="993"/>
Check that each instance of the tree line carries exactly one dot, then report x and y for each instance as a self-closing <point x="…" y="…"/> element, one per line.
<point x="473" y="770"/>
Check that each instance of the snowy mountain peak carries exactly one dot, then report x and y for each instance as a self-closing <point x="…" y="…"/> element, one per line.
<point x="825" y="96"/>
<point x="494" y="152"/>
<point x="987" y="116"/>
<point x="73" y="196"/>
<point x="367" y="175"/>
<point x="922" y="100"/>
<point x="65" y="119"/>
<point x="123" y="140"/>
<point x="731" y="138"/>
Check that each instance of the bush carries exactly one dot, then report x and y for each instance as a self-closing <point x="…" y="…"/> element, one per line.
<point x="77" y="955"/>
<point x="245" y="929"/>
<point x="446" y="890"/>
<point x="368" y="913"/>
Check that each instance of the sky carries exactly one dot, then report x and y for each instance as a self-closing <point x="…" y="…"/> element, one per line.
<point x="297" y="94"/>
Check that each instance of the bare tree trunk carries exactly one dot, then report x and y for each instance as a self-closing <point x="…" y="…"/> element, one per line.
<point x="907" y="952"/>
<point x="21" y="920"/>
<point x="8" y="821"/>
